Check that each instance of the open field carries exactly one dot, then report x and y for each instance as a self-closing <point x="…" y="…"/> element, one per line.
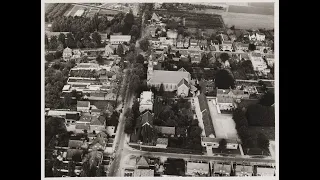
<point x="73" y="10"/>
<point x="223" y="124"/>
<point x="248" y="21"/>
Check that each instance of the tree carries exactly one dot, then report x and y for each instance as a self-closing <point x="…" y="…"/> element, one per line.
<point x="134" y="31"/>
<point x="79" y="44"/>
<point x="128" y="128"/>
<point x="224" y="80"/>
<point x="53" y="42"/>
<point x="222" y="145"/>
<point x="96" y="37"/>
<point x="70" y="41"/>
<point x="62" y="39"/>
<point x="267" y="99"/>
<point x="161" y="89"/>
<point x="100" y="171"/>
<point x="144" y="44"/>
<point x="180" y="30"/>
<point x="259" y="115"/>
<point x="224" y="57"/>
<point x="58" y="54"/>
<point x="71" y="168"/>
<point x="204" y="61"/>
<point x="120" y="50"/>
<point x="99" y="59"/>
<point x="46" y="40"/>
<point x="262" y="141"/>
<point x="252" y="47"/>
<point x="85" y="169"/>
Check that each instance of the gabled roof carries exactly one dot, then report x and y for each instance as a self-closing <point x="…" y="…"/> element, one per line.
<point x="160" y="76"/>
<point x="147" y="117"/>
<point x="155" y="17"/>
<point x="182" y="69"/>
<point x="193" y="167"/>
<point x="206" y="117"/>
<point x="102" y="134"/>
<point x="100" y="141"/>
<point x="185" y="82"/>
<point x="83" y="104"/>
<point x="222" y="167"/>
<point x="96" y="122"/>
<point x="166" y="130"/>
<point x="82" y="126"/>
<point x="74" y="154"/>
<point x="75" y="143"/>
<point x="162" y="141"/>
<point x="142" y="161"/>
<point x="143" y="173"/>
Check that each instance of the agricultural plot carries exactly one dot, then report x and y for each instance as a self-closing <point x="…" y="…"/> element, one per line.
<point x="251" y="10"/>
<point x="74" y="10"/>
<point x="248" y="21"/>
<point x="92" y="12"/>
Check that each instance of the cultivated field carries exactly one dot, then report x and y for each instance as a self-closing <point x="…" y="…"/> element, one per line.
<point x="223" y="124"/>
<point x="248" y="21"/>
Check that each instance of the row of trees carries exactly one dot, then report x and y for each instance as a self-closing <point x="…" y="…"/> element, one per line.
<point x="249" y="140"/>
<point x="55" y="78"/>
<point x="259" y="115"/>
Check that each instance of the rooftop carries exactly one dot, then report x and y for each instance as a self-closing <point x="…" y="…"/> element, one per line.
<point x="120" y="37"/>
<point x="162" y="141"/>
<point x="160" y="76"/>
<point x="165" y="130"/>
<point x="208" y="139"/>
<point x="83" y="104"/>
<point x="75" y="143"/>
<point x="193" y="167"/>
<point x="207" y="121"/>
<point x="143" y="173"/>
<point x="185" y="82"/>
<point x="146" y="97"/>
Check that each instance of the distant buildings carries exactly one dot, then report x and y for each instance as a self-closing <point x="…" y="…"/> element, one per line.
<point x="119" y="39"/>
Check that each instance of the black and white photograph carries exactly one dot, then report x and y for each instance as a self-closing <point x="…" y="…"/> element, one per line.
<point x="159" y="89"/>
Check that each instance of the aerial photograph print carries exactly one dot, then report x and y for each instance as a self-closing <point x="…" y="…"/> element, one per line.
<point x="150" y="89"/>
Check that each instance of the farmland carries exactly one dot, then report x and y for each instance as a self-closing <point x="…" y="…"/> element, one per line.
<point x="56" y="10"/>
<point x="251" y="10"/>
<point x="248" y="21"/>
<point x="195" y="19"/>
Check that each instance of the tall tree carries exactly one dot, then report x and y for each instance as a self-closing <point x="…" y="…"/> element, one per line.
<point x="85" y="169"/>
<point x="62" y="39"/>
<point x="70" y="41"/>
<point x="71" y="168"/>
<point x="96" y="37"/>
<point x="144" y="44"/>
<point x="140" y="59"/>
<point x="53" y="42"/>
<point x="262" y="141"/>
<point x="134" y="31"/>
<point x="46" y="40"/>
<point x="99" y="59"/>
<point x="224" y="80"/>
<point x="224" y="57"/>
<point x="222" y="145"/>
<point x="100" y="171"/>
<point x="120" y="50"/>
<point x="161" y="89"/>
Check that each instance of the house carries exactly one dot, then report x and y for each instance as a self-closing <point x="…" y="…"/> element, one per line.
<point x="162" y="142"/>
<point x="221" y="169"/>
<point x="260" y="37"/>
<point x="170" y="131"/>
<point x="242" y="46"/>
<point x="265" y="171"/>
<point x="243" y="170"/>
<point x="183" y="88"/>
<point x="179" y="44"/>
<point x="142" y="162"/>
<point x="203" y="44"/>
<point x="172" y="34"/>
<point x="143" y="173"/>
<point x="67" y="54"/>
<point x="154" y="18"/>
<point x="75" y="144"/>
<point x="97" y="125"/>
<point x="169" y="79"/>
<point x="146" y="101"/>
<point x="197" y="169"/>
<point x="72" y="118"/>
<point x="270" y="59"/>
<point x="108" y="50"/>
<point x="76" y="53"/>
<point x="186" y="43"/>
<point x="195" y="57"/>
<point x="194" y="43"/>
<point x="257" y="62"/>
<point x="252" y="37"/>
<point x="83" y="106"/>
<point x="226" y="46"/>
<point x="119" y="39"/>
<point x="209" y="142"/>
<point x="61" y="113"/>
<point x="81" y="127"/>
<point x="226" y="98"/>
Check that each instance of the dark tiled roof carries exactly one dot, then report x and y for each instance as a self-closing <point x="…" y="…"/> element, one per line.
<point x="162" y="141"/>
<point x="183" y="81"/>
<point x="75" y="143"/>
<point x="208" y="139"/>
<point x="207" y="121"/>
<point x="146" y="118"/>
<point x="72" y="116"/>
<point x="165" y="130"/>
